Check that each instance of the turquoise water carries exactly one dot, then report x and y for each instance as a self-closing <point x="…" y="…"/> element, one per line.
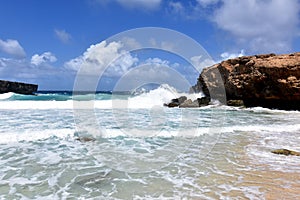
<point x="141" y="149"/>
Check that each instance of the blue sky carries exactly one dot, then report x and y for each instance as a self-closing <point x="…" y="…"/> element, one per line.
<point x="46" y="42"/>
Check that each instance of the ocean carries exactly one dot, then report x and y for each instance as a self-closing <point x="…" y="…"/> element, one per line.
<point x="142" y="150"/>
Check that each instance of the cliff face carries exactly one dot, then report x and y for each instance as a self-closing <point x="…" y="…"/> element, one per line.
<point x="21" y="88"/>
<point x="271" y="81"/>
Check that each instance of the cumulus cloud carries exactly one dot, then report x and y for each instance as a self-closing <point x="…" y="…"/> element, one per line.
<point x="62" y="35"/>
<point x="43" y="58"/>
<point x="107" y="58"/>
<point x="47" y="77"/>
<point x="199" y="62"/>
<point x="258" y="26"/>
<point x="228" y="55"/>
<point x="131" y="43"/>
<point x="138" y="4"/>
<point x="153" y="71"/>
<point x="12" y="47"/>
<point x="261" y="26"/>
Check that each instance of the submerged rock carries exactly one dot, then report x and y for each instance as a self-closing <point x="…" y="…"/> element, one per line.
<point x="85" y="139"/>
<point x="286" y="152"/>
<point x="271" y="81"/>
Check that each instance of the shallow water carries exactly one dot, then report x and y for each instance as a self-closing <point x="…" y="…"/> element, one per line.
<point x="215" y="152"/>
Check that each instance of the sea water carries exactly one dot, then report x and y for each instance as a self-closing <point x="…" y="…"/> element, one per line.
<point x="142" y="150"/>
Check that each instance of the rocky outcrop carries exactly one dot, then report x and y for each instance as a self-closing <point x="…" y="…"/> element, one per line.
<point x="176" y="102"/>
<point x="183" y="102"/>
<point x="286" y="152"/>
<point x="17" y="87"/>
<point x="271" y="81"/>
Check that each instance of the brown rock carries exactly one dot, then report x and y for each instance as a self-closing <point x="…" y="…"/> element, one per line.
<point x="286" y="152"/>
<point x="269" y="80"/>
<point x="189" y="104"/>
<point x="237" y="103"/>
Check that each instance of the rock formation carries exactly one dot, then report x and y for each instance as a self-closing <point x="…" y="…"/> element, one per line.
<point x="183" y="102"/>
<point x="286" y="152"/>
<point x="271" y="81"/>
<point x="16" y="87"/>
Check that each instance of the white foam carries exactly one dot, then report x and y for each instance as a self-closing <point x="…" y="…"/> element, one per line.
<point x="13" y="137"/>
<point x="150" y="99"/>
<point x="6" y="95"/>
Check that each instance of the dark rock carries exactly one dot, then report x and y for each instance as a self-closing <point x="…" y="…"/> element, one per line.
<point x="271" y="81"/>
<point x="237" y="103"/>
<point x="286" y="152"/>
<point x="172" y="104"/>
<point x="17" y="87"/>
<point x="176" y="102"/>
<point x="85" y="139"/>
<point x="180" y="100"/>
<point x="203" y="101"/>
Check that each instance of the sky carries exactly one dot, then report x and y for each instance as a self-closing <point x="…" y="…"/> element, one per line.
<point x="61" y="44"/>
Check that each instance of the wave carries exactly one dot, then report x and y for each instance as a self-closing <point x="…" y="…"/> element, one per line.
<point x="13" y="137"/>
<point x="215" y="132"/>
<point x="6" y="95"/>
<point x="146" y="99"/>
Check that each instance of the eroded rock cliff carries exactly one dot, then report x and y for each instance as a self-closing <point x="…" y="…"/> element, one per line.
<point x="270" y="80"/>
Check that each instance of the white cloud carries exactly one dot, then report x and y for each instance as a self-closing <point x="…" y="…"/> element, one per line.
<point x="199" y="62"/>
<point x="261" y="26"/>
<point x="47" y="77"/>
<point x="140" y="4"/>
<point x="131" y="43"/>
<point x="227" y="55"/>
<point x="153" y="70"/>
<point x="177" y="8"/>
<point x="206" y="3"/>
<point x="165" y="45"/>
<point x="258" y="26"/>
<point x="12" y="47"/>
<point x="103" y="57"/>
<point x="43" y="58"/>
<point x="62" y="35"/>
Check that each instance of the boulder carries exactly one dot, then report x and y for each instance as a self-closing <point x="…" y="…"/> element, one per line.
<point x="236" y="103"/>
<point x="180" y="100"/>
<point x="176" y="102"/>
<point x="85" y="139"/>
<point x="189" y="104"/>
<point x="17" y="87"/>
<point x="203" y="101"/>
<point x="172" y="104"/>
<point x="269" y="80"/>
<point x="286" y="152"/>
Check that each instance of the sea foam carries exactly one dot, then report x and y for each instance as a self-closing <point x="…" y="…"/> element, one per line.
<point x="150" y="99"/>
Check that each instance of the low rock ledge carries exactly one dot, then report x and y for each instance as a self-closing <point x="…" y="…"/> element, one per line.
<point x="17" y="87"/>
